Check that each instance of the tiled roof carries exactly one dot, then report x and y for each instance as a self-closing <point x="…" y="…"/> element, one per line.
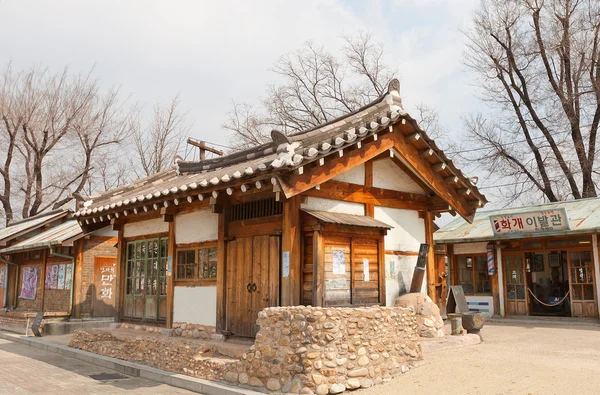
<point x="53" y="236"/>
<point x="283" y="154"/>
<point x="347" y="219"/>
<point x="27" y="225"/>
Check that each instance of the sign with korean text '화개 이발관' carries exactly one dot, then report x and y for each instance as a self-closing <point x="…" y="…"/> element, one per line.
<point x="531" y="222"/>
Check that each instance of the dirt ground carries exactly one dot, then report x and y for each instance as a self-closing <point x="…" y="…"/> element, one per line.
<point x="513" y="359"/>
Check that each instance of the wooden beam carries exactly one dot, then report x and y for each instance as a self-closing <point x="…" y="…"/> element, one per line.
<point x="121" y="283"/>
<point x="298" y="183"/>
<point x="439" y="166"/>
<point x="171" y="263"/>
<point x="290" y="246"/>
<point x="338" y="190"/>
<point x="410" y="155"/>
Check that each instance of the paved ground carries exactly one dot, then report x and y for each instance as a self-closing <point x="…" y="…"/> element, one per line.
<point x="513" y="359"/>
<point x="27" y="370"/>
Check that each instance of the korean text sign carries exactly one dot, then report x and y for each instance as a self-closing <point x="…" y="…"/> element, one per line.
<point x="530" y="222"/>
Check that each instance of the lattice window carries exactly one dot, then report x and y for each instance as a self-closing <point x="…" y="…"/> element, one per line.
<point x="255" y="209"/>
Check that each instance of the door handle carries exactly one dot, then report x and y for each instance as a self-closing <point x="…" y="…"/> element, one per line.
<point x="249" y="287"/>
<point x="254" y="287"/>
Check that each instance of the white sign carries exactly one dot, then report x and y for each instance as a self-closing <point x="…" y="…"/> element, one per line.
<point x="365" y="269"/>
<point x="339" y="261"/>
<point x="531" y="222"/>
<point x="286" y="264"/>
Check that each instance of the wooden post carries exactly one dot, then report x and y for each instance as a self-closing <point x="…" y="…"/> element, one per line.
<point x="318" y="268"/>
<point x="500" y="271"/>
<point x="77" y="272"/>
<point x="381" y="274"/>
<point x="46" y="253"/>
<point x="290" y="247"/>
<point x="170" y="274"/>
<point x="121" y="270"/>
<point x="430" y="256"/>
<point x="221" y="268"/>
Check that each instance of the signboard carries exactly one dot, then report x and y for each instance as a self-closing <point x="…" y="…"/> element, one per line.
<point x="531" y="222"/>
<point x="286" y="264"/>
<point x="365" y="269"/>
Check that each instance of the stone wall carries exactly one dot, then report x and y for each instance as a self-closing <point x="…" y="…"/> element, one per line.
<point x="196" y="331"/>
<point x="327" y="350"/>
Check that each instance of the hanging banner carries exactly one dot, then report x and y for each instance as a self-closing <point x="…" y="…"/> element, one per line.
<point x="29" y="283"/>
<point x="531" y="222"/>
<point x="490" y="261"/>
<point x="2" y="277"/>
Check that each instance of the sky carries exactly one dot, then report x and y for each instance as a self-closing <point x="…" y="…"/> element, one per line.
<point x="216" y="52"/>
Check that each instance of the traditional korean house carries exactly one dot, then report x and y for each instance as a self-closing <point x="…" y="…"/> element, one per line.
<point x="49" y="265"/>
<point x="332" y="216"/>
<point x="537" y="260"/>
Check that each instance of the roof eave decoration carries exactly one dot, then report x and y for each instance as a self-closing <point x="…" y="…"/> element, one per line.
<point x="275" y="162"/>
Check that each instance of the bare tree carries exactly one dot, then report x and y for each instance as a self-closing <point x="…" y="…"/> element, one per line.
<point x="316" y="87"/>
<point x="538" y="66"/>
<point x="54" y="126"/>
<point x="158" y="142"/>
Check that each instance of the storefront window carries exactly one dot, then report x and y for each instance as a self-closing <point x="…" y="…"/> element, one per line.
<point x="473" y="274"/>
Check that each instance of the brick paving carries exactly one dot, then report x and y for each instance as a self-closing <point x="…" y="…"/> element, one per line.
<point x="27" y="370"/>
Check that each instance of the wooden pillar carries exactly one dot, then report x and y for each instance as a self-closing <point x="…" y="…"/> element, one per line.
<point x="121" y="274"/>
<point x="369" y="207"/>
<point x="290" y="250"/>
<point x="77" y="273"/>
<point x="221" y="278"/>
<point x="381" y="274"/>
<point x="500" y="270"/>
<point x="318" y="268"/>
<point x="42" y="294"/>
<point x="430" y="266"/>
<point x="170" y="273"/>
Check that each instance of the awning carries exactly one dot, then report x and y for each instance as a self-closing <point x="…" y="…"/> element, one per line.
<point x="18" y="228"/>
<point x="347" y="219"/>
<point x="67" y="231"/>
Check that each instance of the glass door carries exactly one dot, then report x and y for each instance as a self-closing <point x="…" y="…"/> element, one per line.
<point x="514" y="275"/>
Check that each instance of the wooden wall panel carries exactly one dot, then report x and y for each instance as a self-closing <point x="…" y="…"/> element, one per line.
<point x="307" y="269"/>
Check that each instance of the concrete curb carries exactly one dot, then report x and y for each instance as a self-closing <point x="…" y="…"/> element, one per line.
<point x="132" y="369"/>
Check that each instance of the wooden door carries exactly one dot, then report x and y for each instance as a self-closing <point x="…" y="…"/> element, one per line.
<point x="252" y="281"/>
<point x="365" y="275"/>
<point x="105" y="285"/>
<point x="581" y="278"/>
<point x="516" y="287"/>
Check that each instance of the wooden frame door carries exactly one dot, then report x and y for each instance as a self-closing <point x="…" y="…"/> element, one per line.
<point x="252" y="281"/>
<point x="581" y="280"/>
<point x="516" y="285"/>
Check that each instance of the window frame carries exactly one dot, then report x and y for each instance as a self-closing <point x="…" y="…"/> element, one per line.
<point x="474" y="282"/>
<point x="196" y="280"/>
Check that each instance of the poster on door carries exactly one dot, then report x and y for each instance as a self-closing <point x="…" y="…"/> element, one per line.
<point x="68" y="276"/>
<point x="365" y="269"/>
<point x="339" y="261"/>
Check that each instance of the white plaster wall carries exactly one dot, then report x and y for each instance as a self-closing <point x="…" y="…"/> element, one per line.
<point x="196" y="227"/>
<point x="195" y="305"/>
<point x="398" y="276"/>
<point x="107" y="231"/>
<point x="334" y="206"/>
<point x="470" y="248"/>
<point x="407" y="234"/>
<point x="355" y="175"/>
<point x="386" y="174"/>
<point x="141" y="228"/>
